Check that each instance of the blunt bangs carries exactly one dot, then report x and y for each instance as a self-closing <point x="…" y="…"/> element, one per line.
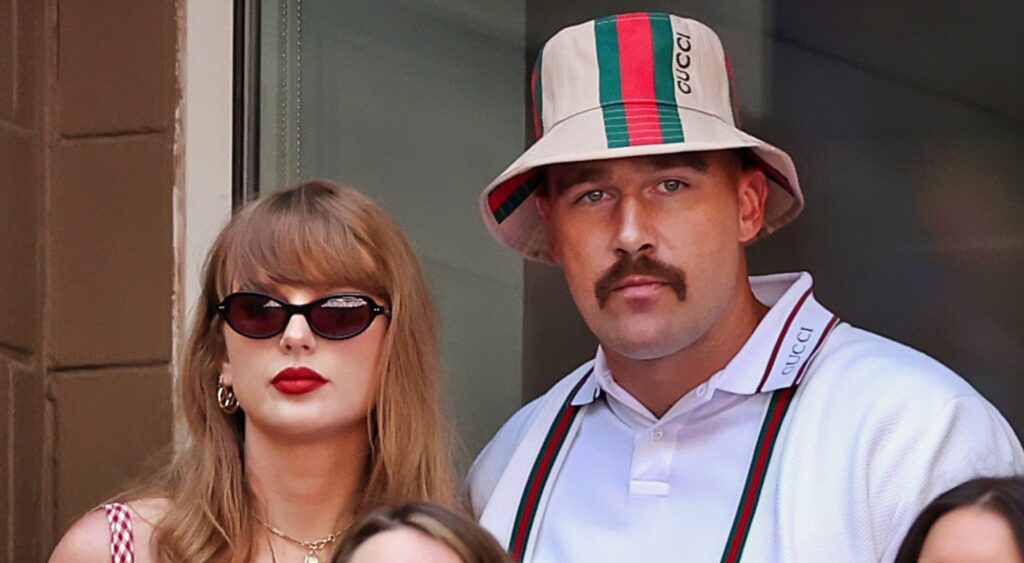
<point x="304" y="237"/>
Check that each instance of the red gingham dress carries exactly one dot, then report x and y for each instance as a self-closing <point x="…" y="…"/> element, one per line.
<point x="122" y="542"/>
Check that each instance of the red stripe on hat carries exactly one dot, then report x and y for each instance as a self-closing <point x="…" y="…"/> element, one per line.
<point x="636" y="68"/>
<point x="733" y="96"/>
<point x="535" y="94"/>
<point x="773" y="173"/>
<point x="499" y="194"/>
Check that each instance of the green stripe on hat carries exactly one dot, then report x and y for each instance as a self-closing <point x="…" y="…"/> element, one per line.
<point x="516" y="198"/>
<point x="668" y="114"/>
<point x="606" y="36"/>
<point x="538" y="96"/>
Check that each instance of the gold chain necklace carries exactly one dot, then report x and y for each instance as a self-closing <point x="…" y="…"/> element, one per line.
<point x="314" y="547"/>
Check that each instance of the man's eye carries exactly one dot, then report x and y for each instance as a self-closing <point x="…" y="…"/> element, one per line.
<point x="672" y="185"/>
<point x="593" y="196"/>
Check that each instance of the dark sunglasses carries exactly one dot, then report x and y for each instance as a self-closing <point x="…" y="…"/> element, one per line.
<point x="336" y="317"/>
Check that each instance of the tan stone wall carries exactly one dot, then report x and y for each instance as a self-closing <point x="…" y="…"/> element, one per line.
<point x="88" y="94"/>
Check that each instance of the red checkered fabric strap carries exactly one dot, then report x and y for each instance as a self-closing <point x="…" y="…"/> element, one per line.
<point x="122" y="542"/>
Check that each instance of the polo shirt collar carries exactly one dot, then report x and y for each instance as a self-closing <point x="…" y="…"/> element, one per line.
<point x="592" y="387"/>
<point x="774" y="357"/>
<point x="778" y="352"/>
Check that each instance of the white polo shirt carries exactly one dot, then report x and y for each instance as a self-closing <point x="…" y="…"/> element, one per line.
<point x="875" y="431"/>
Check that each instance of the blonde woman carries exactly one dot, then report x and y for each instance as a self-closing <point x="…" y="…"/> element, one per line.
<point x="309" y="391"/>
<point x="419" y="532"/>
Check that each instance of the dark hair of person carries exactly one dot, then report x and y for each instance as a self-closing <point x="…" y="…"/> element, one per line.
<point x="462" y="535"/>
<point x="1003" y="496"/>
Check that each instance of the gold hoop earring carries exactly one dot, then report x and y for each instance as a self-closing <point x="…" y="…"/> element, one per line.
<point x="226" y="398"/>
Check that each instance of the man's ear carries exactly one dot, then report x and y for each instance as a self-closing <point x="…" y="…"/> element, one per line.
<point x="543" y="205"/>
<point x="752" y="194"/>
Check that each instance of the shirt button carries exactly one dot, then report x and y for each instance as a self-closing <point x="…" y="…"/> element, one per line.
<point x="702" y="389"/>
<point x="657" y="434"/>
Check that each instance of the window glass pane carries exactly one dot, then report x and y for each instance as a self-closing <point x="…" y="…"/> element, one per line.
<point x="419" y="104"/>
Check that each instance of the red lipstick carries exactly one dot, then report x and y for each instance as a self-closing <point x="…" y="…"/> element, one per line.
<point x="297" y="381"/>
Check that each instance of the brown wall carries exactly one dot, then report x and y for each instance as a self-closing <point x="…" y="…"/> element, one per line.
<point x="88" y="94"/>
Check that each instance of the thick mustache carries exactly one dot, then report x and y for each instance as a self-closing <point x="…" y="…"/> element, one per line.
<point x="643" y="265"/>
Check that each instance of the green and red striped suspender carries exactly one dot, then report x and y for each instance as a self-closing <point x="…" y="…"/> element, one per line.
<point x="538" y="478"/>
<point x="535" y="484"/>
<point x="777" y="409"/>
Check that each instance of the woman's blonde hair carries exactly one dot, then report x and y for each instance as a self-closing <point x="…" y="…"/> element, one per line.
<point x="317" y="235"/>
<point x="462" y="535"/>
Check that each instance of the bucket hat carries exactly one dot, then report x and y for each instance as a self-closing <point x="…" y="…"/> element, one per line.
<point x="628" y="85"/>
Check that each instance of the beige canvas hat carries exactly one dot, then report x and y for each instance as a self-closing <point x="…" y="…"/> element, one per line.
<point x="628" y="85"/>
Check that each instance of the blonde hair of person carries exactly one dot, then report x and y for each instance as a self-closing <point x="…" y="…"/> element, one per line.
<point x="318" y="235"/>
<point x="462" y="535"/>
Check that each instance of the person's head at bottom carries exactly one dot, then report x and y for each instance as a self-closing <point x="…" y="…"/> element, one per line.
<point x="980" y="521"/>
<point x="419" y="532"/>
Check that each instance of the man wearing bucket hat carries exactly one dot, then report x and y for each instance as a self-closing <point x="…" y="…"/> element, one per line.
<point x="723" y="417"/>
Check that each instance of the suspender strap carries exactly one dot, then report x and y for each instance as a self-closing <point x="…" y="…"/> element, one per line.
<point x="787" y="367"/>
<point x="538" y="479"/>
<point x="555" y="440"/>
<point x="777" y="408"/>
<point x="779" y="405"/>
